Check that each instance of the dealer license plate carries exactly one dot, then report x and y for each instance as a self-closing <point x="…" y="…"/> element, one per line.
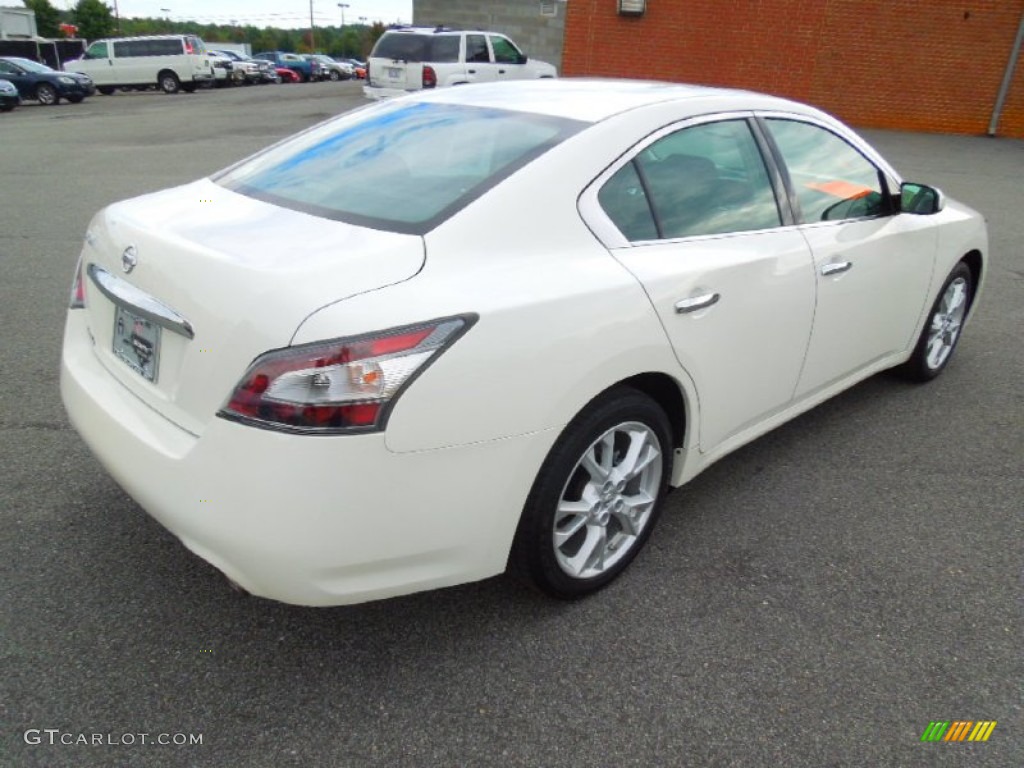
<point x="137" y="342"/>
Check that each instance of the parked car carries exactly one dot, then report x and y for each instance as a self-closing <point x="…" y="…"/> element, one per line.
<point x="253" y="70"/>
<point x="411" y="58"/>
<point x="307" y="71"/>
<point x="171" y="62"/>
<point x="358" y="67"/>
<point x="224" y="71"/>
<point x="491" y="325"/>
<point x="38" y="82"/>
<point x="286" y="75"/>
<point x="9" y="97"/>
<point x="329" y="68"/>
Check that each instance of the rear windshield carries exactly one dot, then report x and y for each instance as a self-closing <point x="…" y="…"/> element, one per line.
<point x="401" y="167"/>
<point x="409" y="46"/>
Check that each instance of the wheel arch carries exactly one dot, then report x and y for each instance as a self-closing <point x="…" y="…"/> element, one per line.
<point x="669" y="395"/>
<point x="974" y="263"/>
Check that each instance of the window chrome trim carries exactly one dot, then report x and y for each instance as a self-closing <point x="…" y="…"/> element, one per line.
<point x="138" y="302"/>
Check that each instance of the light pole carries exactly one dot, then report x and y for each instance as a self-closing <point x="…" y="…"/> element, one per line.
<point x="341" y="33"/>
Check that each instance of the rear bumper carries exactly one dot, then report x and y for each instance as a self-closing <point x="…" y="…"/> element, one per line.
<point x="379" y="93"/>
<point x="310" y="520"/>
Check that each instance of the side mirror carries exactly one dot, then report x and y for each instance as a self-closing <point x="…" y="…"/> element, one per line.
<point x="921" y="199"/>
<point x="521" y="59"/>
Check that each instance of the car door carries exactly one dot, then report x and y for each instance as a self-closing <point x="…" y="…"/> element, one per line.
<point x="479" y="68"/>
<point x="95" y="63"/>
<point x="509" y="62"/>
<point x="706" y="234"/>
<point x="872" y="265"/>
<point x="20" y="79"/>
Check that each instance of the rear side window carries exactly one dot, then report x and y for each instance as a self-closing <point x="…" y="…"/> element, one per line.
<point x="398" y="167"/>
<point x="709" y="179"/>
<point x="156" y="47"/>
<point x="476" y="50"/>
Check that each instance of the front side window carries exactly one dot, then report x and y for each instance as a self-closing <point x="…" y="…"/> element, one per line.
<point x="96" y="51"/>
<point x="832" y="180"/>
<point x="504" y="51"/>
<point x="397" y="167"/>
<point x="709" y="179"/>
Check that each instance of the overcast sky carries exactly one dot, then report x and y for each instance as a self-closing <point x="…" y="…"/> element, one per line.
<point x="263" y="13"/>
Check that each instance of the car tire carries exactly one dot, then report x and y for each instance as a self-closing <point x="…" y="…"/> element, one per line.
<point x="47" y="95"/>
<point x="168" y="82"/>
<point x="7" y="108"/>
<point x="76" y="98"/>
<point x="335" y="76"/>
<point x="942" y="329"/>
<point x="597" y="496"/>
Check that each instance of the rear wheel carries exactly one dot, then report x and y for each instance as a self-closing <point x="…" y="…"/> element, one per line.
<point x="46" y="94"/>
<point x="597" y="496"/>
<point x="335" y="75"/>
<point x="941" y="331"/>
<point x="168" y="82"/>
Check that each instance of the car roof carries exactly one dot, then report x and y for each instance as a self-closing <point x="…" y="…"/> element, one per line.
<point x="593" y="100"/>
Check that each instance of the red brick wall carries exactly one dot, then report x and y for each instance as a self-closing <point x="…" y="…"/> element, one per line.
<point x="923" y="65"/>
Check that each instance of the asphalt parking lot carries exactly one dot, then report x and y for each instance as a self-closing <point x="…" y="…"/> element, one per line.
<point x="816" y="599"/>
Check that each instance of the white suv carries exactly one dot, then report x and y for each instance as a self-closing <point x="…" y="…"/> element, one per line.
<point x="411" y="58"/>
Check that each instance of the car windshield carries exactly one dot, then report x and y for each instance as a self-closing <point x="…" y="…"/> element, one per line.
<point x="31" y="66"/>
<point x="402" y="167"/>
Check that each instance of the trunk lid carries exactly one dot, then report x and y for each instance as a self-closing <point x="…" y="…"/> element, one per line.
<point x="241" y="275"/>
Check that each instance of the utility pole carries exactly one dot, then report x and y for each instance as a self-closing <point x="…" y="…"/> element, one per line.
<point x="312" y="29"/>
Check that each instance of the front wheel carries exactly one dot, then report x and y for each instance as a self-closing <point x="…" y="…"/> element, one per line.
<point x="47" y="95"/>
<point x="597" y="496"/>
<point x="335" y="76"/>
<point x="941" y="331"/>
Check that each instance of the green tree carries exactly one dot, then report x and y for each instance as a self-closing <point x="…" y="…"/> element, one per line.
<point x="47" y="17"/>
<point x="94" y="19"/>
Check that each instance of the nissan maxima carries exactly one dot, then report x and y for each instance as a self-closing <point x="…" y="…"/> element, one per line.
<point x="488" y="327"/>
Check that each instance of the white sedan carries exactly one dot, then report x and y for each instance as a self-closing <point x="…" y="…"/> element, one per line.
<point x="487" y="327"/>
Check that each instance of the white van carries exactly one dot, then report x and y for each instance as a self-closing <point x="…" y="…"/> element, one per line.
<point x="171" y="62"/>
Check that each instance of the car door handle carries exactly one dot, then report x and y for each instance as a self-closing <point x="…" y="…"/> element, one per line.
<point x="472" y="71"/>
<point x="501" y="71"/>
<point x="694" y="303"/>
<point x="836" y="267"/>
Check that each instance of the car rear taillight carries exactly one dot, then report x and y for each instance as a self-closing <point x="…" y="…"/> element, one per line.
<point x="429" y="77"/>
<point x="77" y="289"/>
<point x="344" y="385"/>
